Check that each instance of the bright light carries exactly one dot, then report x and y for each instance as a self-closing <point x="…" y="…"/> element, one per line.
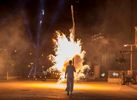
<point x="43" y="12"/>
<point x="125" y="45"/>
<point x="40" y="22"/>
<point x="31" y="63"/>
<point x="68" y="49"/>
<point x="65" y="49"/>
<point x="115" y="74"/>
<point x="103" y="75"/>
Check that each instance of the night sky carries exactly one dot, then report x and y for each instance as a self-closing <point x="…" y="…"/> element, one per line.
<point x="114" y="19"/>
<point x="91" y="16"/>
<point x="57" y="12"/>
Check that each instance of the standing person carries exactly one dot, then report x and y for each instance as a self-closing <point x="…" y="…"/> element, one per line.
<point x="70" y="69"/>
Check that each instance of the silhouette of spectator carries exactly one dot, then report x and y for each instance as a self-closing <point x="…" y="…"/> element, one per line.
<point x="69" y="74"/>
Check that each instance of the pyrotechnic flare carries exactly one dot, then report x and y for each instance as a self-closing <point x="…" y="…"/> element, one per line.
<point x="72" y="33"/>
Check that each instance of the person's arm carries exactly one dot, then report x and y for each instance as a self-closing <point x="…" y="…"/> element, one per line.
<point x="74" y="69"/>
<point x="66" y="73"/>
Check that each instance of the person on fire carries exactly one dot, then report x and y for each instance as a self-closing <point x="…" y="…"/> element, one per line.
<point x="69" y="74"/>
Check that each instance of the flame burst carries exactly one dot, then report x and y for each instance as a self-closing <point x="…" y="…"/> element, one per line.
<point x="66" y="48"/>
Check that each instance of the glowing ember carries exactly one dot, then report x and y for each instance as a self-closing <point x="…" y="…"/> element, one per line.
<point x="67" y="49"/>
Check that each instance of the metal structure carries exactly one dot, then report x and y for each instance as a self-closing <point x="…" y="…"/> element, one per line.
<point x="131" y="54"/>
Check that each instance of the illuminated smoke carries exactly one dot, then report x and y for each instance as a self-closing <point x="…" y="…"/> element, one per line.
<point x="13" y="44"/>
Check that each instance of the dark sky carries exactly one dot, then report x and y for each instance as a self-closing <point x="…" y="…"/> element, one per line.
<point x="89" y="14"/>
<point x="83" y="8"/>
<point x="114" y="18"/>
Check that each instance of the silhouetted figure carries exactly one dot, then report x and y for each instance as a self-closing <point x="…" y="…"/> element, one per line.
<point x="70" y="69"/>
<point x="123" y="78"/>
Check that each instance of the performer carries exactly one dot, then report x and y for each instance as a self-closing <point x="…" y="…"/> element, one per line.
<point x="69" y="74"/>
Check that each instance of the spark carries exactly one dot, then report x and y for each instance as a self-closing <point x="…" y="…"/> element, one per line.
<point x="40" y="22"/>
<point x="43" y="12"/>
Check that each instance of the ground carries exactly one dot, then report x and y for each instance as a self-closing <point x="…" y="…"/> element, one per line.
<point x="50" y="90"/>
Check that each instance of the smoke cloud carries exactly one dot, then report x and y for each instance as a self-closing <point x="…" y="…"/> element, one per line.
<point x="13" y="44"/>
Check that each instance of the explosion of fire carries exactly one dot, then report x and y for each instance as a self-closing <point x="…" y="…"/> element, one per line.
<point x="68" y="49"/>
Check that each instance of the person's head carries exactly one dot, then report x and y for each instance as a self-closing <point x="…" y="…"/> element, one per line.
<point x="70" y="62"/>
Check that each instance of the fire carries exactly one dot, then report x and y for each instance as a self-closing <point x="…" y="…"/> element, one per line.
<point x="66" y="48"/>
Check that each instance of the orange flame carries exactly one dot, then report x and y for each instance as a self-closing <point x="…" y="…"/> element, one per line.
<point x="67" y="49"/>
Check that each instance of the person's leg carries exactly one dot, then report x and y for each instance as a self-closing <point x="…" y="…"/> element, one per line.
<point x="68" y="86"/>
<point x="72" y="84"/>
